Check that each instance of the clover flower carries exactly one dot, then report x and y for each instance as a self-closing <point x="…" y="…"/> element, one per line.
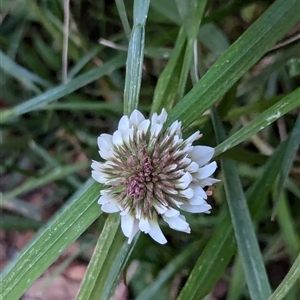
<point x="152" y="173"/>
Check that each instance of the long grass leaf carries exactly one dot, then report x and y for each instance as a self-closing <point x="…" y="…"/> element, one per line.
<point x="269" y="116"/>
<point x="62" y="90"/>
<point x="63" y="229"/>
<point x="255" y="273"/>
<point x="238" y="59"/>
<point x="135" y="56"/>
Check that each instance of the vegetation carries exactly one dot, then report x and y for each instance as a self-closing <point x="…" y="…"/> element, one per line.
<point x="230" y="69"/>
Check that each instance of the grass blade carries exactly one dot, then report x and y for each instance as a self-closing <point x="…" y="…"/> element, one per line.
<point x="239" y="58"/>
<point x="255" y="273"/>
<point x="63" y="229"/>
<point x="62" y="90"/>
<point x="105" y="241"/>
<point x="166" y="88"/>
<point x="269" y="116"/>
<point x="220" y="248"/>
<point x="135" y="56"/>
<point x="175" y="265"/>
<point x="57" y="173"/>
<point x="288" y="282"/>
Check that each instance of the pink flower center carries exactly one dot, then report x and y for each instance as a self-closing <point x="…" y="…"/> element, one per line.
<point x="142" y="173"/>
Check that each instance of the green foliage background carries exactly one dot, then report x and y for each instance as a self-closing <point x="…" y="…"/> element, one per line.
<point x="215" y="65"/>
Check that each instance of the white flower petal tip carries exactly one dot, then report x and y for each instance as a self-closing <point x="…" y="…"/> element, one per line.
<point x="206" y="171"/>
<point x="202" y="154"/>
<point x="136" y="118"/>
<point x="151" y="173"/>
<point x="156" y="233"/>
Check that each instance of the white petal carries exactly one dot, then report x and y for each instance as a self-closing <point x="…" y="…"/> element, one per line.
<point x="127" y="222"/>
<point x="144" y="225"/>
<point x="193" y="137"/>
<point x="154" y="119"/>
<point x="196" y="208"/>
<point x="185" y="180"/>
<point x="197" y="201"/>
<point x="124" y="123"/>
<point x="208" y="182"/>
<point x="105" y="141"/>
<point x="127" y="135"/>
<point x="110" y="207"/>
<point x="106" y="198"/>
<point x="105" y="154"/>
<point x="136" y="118"/>
<point x="160" y="209"/>
<point x="206" y="171"/>
<point x="134" y="231"/>
<point x="171" y="212"/>
<point x="177" y="223"/>
<point x="144" y="126"/>
<point x="163" y="116"/>
<point x="188" y="193"/>
<point x="202" y="154"/>
<point x="155" y="130"/>
<point x="186" y="160"/>
<point x="118" y="138"/>
<point x="192" y="167"/>
<point x="198" y="191"/>
<point x="96" y="165"/>
<point x="156" y="232"/>
<point x="99" y="176"/>
<point x="175" y="127"/>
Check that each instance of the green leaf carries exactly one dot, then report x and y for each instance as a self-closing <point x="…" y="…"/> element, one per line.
<point x="167" y="85"/>
<point x="62" y="90"/>
<point x="123" y="16"/>
<point x="170" y="270"/>
<point x="220" y="248"/>
<point x="24" y="76"/>
<point x="56" y="236"/>
<point x="135" y="56"/>
<point x="293" y="146"/>
<point x="288" y="282"/>
<point x="240" y="57"/>
<point x="269" y="116"/>
<point x="99" y="258"/>
<point x="249" y="251"/>
<point x="57" y="173"/>
<point x="192" y="22"/>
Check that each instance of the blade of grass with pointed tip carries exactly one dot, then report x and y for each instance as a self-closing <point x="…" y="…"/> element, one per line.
<point x="135" y="56"/>
<point x="269" y="116"/>
<point x="288" y="281"/>
<point x="123" y="16"/>
<point x="253" y="265"/>
<point x="63" y="89"/>
<point x="273" y="24"/>
<point x="57" y="173"/>
<point x="56" y="236"/>
<point x="220" y="248"/>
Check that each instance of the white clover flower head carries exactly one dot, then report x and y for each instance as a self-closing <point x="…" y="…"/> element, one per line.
<point x="151" y="173"/>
